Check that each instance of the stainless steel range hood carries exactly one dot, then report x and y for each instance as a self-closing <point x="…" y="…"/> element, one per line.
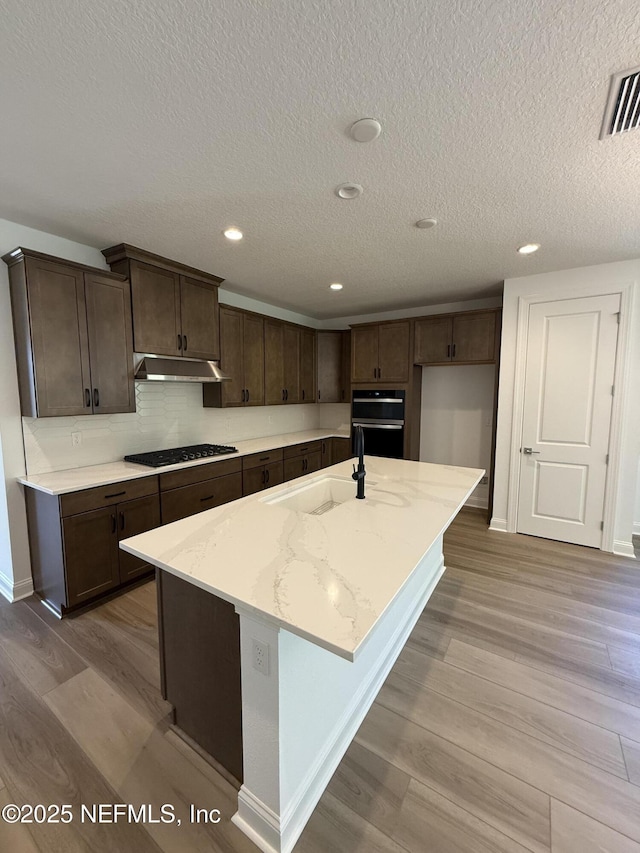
<point x="163" y="368"/>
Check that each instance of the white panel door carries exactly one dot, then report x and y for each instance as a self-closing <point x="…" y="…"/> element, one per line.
<point x="571" y="354"/>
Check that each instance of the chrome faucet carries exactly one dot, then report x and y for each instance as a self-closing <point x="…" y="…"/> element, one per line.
<point x="359" y="474"/>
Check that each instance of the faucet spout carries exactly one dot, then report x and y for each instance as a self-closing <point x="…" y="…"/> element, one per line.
<point x="359" y="474"/>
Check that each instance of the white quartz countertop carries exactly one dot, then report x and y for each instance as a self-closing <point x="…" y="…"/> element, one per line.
<point x="330" y="577"/>
<point x="75" y="479"/>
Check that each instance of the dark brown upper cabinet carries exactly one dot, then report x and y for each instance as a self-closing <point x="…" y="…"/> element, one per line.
<point x="380" y="353"/>
<point x="241" y="358"/>
<point x="72" y="326"/>
<point x="175" y="307"/>
<point x="307" y="366"/>
<point x="330" y="368"/>
<point x="289" y="363"/>
<point x="465" y="338"/>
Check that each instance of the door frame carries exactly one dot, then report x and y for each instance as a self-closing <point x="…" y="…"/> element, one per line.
<point x="621" y="380"/>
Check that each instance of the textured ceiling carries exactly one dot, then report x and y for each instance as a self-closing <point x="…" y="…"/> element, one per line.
<point x="160" y="123"/>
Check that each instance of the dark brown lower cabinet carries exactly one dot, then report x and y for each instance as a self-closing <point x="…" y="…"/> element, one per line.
<point x="341" y="450"/>
<point x="301" y="465"/>
<point x="200" y="668"/>
<point x="74" y="540"/>
<point x="256" y="479"/>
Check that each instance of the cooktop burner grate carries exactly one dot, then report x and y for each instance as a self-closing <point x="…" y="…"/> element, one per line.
<point x="157" y="458"/>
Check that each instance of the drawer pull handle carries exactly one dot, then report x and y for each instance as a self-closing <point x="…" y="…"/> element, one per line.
<point x="264" y="458"/>
<point x="179" y="342"/>
<point x="96" y="398"/>
<point x="243" y="396"/>
<point x="247" y="395"/>
<point x="184" y="346"/>
<point x="208" y="498"/>
<point x="121" y="521"/>
<point x="267" y="473"/>
<point x="87" y="397"/>
<point x="453" y="352"/>
<point x="115" y="495"/>
<point x="264" y="477"/>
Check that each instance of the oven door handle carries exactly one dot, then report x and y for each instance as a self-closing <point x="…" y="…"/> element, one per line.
<point x="378" y="426"/>
<point x="377" y="400"/>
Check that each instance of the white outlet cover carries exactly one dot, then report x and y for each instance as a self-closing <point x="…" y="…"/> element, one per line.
<point x="260" y="656"/>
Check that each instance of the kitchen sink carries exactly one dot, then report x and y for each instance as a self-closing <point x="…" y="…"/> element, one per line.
<point x="316" y="497"/>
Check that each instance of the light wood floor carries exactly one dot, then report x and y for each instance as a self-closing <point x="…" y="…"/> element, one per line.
<point x="510" y="723"/>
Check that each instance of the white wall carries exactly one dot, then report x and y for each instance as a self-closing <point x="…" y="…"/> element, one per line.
<point x="584" y="281"/>
<point x="456" y="418"/>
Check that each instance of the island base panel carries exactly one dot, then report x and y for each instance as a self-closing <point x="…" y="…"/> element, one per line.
<point x="200" y="662"/>
<point x="300" y="717"/>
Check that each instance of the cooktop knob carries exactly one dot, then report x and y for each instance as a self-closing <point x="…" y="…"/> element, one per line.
<point x="184" y="457"/>
<point x="192" y="456"/>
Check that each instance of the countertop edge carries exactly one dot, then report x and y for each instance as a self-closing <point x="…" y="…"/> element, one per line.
<point x="146" y="471"/>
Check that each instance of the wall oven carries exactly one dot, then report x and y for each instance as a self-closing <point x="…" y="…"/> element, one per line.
<point x="381" y="416"/>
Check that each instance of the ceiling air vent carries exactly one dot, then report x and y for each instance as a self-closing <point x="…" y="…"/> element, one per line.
<point x="623" y="106"/>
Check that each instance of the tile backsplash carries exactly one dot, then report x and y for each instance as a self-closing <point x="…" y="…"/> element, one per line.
<point x="168" y="414"/>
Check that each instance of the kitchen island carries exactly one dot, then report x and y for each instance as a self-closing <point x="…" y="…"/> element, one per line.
<point x="327" y="589"/>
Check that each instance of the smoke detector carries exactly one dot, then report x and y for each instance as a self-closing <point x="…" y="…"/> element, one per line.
<point x="622" y="112"/>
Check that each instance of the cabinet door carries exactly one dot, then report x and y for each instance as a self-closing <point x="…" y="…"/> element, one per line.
<point x="189" y="500"/>
<point x="329" y="347"/>
<point x="90" y="554"/>
<point x="274" y="474"/>
<point x="155" y="296"/>
<point x="307" y="366"/>
<point x="59" y="342"/>
<point x="253" y="337"/>
<point x="232" y="357"/>
<point x="291" y="357"/>
<point x="341" y="450"/>
<point x="364" y="354"/>
<point x="253" y="480"/>
<point x="273" y="363"/>
<point x="345" y="387"/>
<point x="433" y="340"/>
<point x="293" y="468"/>
<point x="136" y="517"/>
<point x="474" y="337"/>
<point x="200" y="319"/>
<point x="313" y="462"/>
<point x="108" y="304"/>
<point x="393" y="352"/>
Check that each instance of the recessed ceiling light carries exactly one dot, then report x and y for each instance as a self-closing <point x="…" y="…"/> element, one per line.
<point x="233" y="234"/>
<point x="335" y="286"/>
<point x="348" y="190"/>
<point x="365" y="130"/>
<point x="528" y="248"/>
<point x="426" y="223"/>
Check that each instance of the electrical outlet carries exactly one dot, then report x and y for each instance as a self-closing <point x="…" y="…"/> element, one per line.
<point x="261" y="657"/>
<point x="76" y="439"/>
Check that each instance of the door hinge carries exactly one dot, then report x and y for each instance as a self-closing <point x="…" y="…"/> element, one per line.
<point x="618" y="315"/>
<point x="602" y="525"/>
<point x="606" y="461"/>
<point x="613" y="390"/>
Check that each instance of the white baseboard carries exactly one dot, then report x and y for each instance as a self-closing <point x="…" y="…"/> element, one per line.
<point x="15" y="591"/>
<point x="623" y="549"/>
<point x="258" y="822"/>
<point x="636" y="528"/>
<point x="499" y="524"/>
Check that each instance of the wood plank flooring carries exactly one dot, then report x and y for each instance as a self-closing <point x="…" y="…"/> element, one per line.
<point x="510" y="722"/>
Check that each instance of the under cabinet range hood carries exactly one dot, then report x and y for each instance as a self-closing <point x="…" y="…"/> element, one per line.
<point x="163" y="368"/>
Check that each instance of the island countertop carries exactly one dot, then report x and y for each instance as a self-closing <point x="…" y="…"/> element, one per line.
<point x="327" y="578"/>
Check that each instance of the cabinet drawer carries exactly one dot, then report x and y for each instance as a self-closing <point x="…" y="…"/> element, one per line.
<point x="198" y="473"/>
<point x="189" y="500"/>
<point x="254" y="460"/>
<point x="89" y="499"/>
<point x="302" y="449"/>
